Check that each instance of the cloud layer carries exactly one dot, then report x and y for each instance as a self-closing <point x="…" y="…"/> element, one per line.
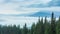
<point x="8" y="20"/>
<point x="26" y="6"/>
<point x="18" y="11"/>
<point x="20" y="6"/>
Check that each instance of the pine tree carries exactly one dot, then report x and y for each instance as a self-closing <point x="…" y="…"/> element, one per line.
<point x="53" y="27"/>
<point x="19" y="30"/>
<point x="0" y="29"/>
<point x="42" y="27"/>
<point x="14" y="29"/>
<point x="46" y="26"/>
<point x="58" y="26"/>
<point x="39" y="27"/>
<point x="25" y="29"/>
<point x="33" y="28"/>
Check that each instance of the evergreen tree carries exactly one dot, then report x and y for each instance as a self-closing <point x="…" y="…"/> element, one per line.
<point x="58" y="26"/>
<point x="25" y="29"/>
<point x="14" y="29"/>
<point x="46" y="26"/>
<point x="19" y="30"/>
<point x="33" y="28"/>
<point x="0" y="29"/>
<point x="39" y="27"/>
<point x="42" y="27"/>
<point x="53" y="26"/>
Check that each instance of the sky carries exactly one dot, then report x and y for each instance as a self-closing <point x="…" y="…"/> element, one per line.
<point x="26" y="11"/>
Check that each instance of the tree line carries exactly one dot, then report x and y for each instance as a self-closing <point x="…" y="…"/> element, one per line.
<point x="42" y="27"/>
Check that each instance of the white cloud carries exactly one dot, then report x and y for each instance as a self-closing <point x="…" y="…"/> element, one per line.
<point x="23" y="11"/>
<point x="51" y="9"/>
<point x="8" y="20"/>
<point x="19" y="4"/>
<point x="20" y="7"/>
<point x="18" y="20"/>
<point x="28" y="10"/>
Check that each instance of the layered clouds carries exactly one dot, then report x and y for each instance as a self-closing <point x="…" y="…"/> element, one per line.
<point x="19" y="11"/>
<point x="27" y="6"/>
<point x="11" y="20"/>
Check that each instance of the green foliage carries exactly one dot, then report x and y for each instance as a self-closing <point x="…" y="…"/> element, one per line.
<point x="58" y="27"/>
<point x="43" y="26"/>
<point x="46" y="26"/>
<point x="33" y="28"/>
<point x="53" y="27"/>
<point x="25" y="30"/>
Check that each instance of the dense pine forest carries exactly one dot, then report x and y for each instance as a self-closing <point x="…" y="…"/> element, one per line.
<point x="42" y="27"/>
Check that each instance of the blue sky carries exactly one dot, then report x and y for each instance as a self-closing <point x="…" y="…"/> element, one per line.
<point x="13" y="11"/>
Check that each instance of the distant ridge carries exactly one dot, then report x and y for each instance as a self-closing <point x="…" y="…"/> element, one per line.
<point x="45" y="13"/>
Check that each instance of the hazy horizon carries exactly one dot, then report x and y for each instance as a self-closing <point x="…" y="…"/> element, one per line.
<point x="27" y="11"/>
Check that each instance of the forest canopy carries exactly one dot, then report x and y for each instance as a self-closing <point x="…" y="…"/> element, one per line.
<point x="41" y="27"/>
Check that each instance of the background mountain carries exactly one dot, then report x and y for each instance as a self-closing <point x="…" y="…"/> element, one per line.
<point x="45" y="13"/>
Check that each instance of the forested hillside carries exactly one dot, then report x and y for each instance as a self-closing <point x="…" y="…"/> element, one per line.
<point x="42" y="27"/>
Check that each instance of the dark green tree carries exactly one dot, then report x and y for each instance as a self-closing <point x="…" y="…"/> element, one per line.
<point x="39" y="29"/>
<point x="0" y="29"/>
<point x="33" y="28"/>
<point x="58" y="26"/>
<point x="25" y="29"/>
<point x="53" y="26"/>
<point x="42" y="27"/>
<point x="19" y="30"/>
<point x="46" y="26"/>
